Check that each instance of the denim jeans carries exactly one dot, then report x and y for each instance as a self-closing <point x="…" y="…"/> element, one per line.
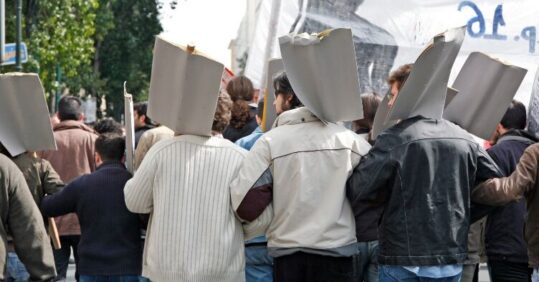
<point x="368" y="261"/>
<point x="535" y="275"/>
<point x="15" y="270"/>
<point x="112" y="278"/>
<point x="258" y="264"/>
<point x="398" y="273"/>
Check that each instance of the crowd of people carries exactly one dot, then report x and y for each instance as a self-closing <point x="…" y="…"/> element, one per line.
<point x="307" y="200"/>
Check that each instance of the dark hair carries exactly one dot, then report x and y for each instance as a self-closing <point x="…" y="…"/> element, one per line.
<point x="282" y="85"/>
<point x="400" y="75"/>
<point x="241" y="91"/>
<point x="222" y="115"/>
<point x="370" y="102"/>
<point x="69" y="108"/>
<point x="108" y="125"/>
<point x="141" y="108"/>
<point x="110" y="146"/>
<point x="515" y="116"/>
<point x="260" y="108"/>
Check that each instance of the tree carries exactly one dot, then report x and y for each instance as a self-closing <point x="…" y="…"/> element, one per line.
<point x="126" y="51"/>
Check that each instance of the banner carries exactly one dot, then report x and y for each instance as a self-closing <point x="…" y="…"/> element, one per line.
<point x="390" y="33"/>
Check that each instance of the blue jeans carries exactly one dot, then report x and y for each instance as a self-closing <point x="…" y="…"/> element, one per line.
<point x="535" y="275"/>
<point x="258" y="264"/>
<point x="398" y="273"/>
<point x="15" y="270"/>
<point x="368" y="261"/>
<point x="112" y="278"/>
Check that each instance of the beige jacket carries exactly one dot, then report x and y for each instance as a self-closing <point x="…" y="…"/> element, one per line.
<point x="523" y="182"/>
<point x="301" y="167"/>
<point x="148" y="139"/>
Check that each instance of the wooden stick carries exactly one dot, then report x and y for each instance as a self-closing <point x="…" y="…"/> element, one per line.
<point x="53" y="232"/>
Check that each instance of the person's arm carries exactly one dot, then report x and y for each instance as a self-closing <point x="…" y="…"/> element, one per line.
<point x="499" y="191"/>
<point x="50" y="179"/>
<point x="25" y="222"/>
<point x="252" y="189"/>
<point x="62" y="202"/>
<point x="138" y="191"/>
<point x="370" y="181"/>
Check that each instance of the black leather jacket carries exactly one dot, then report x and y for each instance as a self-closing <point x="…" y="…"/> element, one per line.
<point x="421" y="172"/>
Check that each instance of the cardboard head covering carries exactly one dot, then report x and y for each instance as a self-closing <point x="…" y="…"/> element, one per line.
<point x="322" y="71"/>
<point x="184" y="89"/>
<point x="486" y="87"/>
<point x="24" y="116"/>
<point x="275" y="66"/>
<point x="424" y="92"/>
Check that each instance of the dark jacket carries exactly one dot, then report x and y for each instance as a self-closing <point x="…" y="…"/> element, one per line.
<point x="110" y="235"/>
<point x="233" y="134"/>
<point x="21" y="219"/>
<point x="421" y="171"/>
<point x="504" y="234"/>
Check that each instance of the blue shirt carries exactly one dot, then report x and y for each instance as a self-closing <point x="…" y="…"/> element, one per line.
<point x="248" y="141"/>
<point x="438" y="271"/>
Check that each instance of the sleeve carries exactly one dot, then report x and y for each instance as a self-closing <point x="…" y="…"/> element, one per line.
<point x="138" y="190"/>
<point x="500" y="191"/>
<point x="63" y="202"/>
<point x="32" y="244"/>
<point x="370" y="181"/>
<point x="486" y="167"/>
<point x="252" y="189"/>
<point x="50" y="179"/>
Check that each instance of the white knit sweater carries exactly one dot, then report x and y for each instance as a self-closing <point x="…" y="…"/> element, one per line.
<point x="193" y="234"/>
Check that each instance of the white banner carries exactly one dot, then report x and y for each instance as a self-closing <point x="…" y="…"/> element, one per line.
<point x="389" y="33"/>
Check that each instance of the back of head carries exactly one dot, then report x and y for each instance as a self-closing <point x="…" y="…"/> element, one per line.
<point x="110" y="146"/>
<point x="223" y="114"/>
<point x="282" y="85"/>
<point x="108" y="125"/>
<point x="241" y="92"/>
<point x="515" y="116"/>
<point x="370" y="102"/>
<point x="141" y="108"/>
<point x="69" y="108"/>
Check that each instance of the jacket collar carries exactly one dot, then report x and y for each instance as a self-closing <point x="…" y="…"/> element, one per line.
<point x="518" y="135"/>
<point x="295" y="116"/>
<point x="111" y="164"/>
<point x="72" y="124"/>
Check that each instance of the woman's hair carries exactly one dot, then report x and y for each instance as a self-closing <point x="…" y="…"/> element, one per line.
<point x="370" y="102"/>
<point x="282" y="86"/>
<point x="241" y="91"/>
<point x="222" y="113"/>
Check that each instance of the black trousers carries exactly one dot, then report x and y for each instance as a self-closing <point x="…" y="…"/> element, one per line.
<point x="61" y="256"/>
<point x="505" y="271"/>
<point x="301" y="266"/>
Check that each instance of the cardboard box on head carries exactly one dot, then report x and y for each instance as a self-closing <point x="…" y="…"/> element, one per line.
<point x="486" y="88"/>
<point x="24" y="115"/>
<point x="275" y="66"/>
<point x="425" y="90"/>
<point x="323" y="73"/>
<point x="184" y="88"/>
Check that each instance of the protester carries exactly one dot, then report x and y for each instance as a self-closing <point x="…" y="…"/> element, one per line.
<point x="183" y="183"/>
<point x="504" y="235"/>
<point x="142" y="122"/>
<point x="110" y="246"/>
<point x="22" y="219"/>
<point x="364" y="126"/>
<point x="148" y="139"/>
<point x="311" y="236"/>
<point x="248" y="141"/>
<point x="243" y="122"/>
<point x="74" y="157"/>
<point x="108" y="125"/>
<point x="41" y="179"/>
<point x="422" y="230"/>
<point x="522" y="183"/>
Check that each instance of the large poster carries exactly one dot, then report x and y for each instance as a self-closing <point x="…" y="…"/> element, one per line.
<point x="390" y="33"/>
